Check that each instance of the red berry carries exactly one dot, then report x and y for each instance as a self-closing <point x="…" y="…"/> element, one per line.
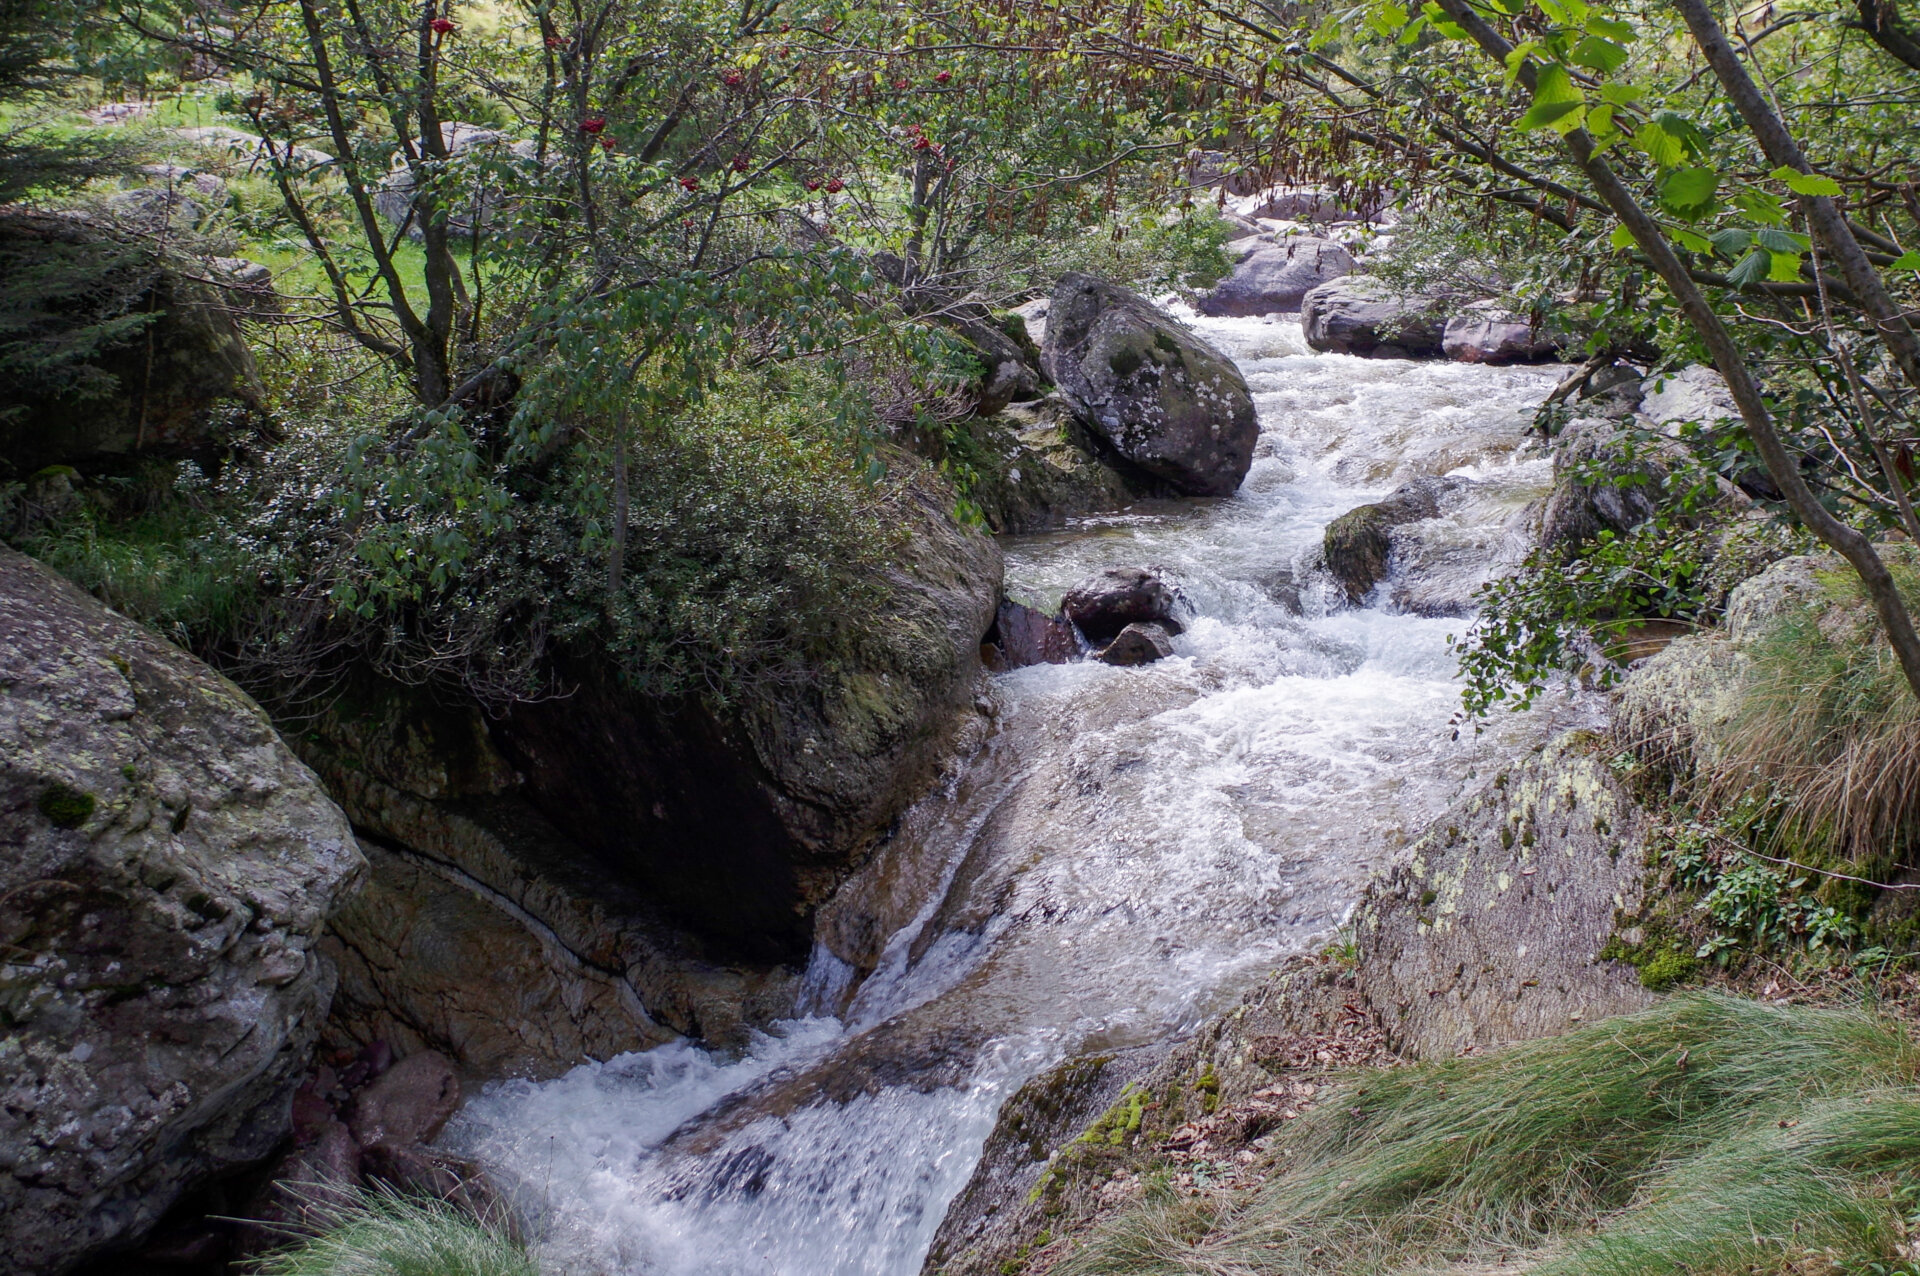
<point x="813" y="185"/>
<point x="733" y="79"/>
<point x="943" y="77"/>
<point x="900" y="83"/>
<point x="741" y="163"/>
<point x="835" y="186"/>
<point x="593" y="124"/>
<point x="606" y="141"/>
<point x="923" y="143"/>
<point x="556" y="42"/>
<point x="785" y="27"/>
<point x="690" y="183"/>
<point x="441" y="26"/>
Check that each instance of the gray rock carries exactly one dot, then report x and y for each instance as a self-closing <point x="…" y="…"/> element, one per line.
<point x="394" y="198"/>
<point x="1360" y="315"/>
<point x="1138" y="644"/>
<point x="1359" y="544"/>
<point x="1615" y="391"/>
<point x="307" y="1192"/>
<point x="1106" y="602"/>
<point x="408" y="1103"/>
<point x="166" y="391"/>
<point x="1303" y="204"/>
<point x="1271" y="278"/>
<point x="1160" y="396"/>
<point x="254" y="153"/>
<point x="170" y="867"/>
<point x="1488" y="929"/>
<point x="1606" y="479"/>
<point x="1486" y="334"/>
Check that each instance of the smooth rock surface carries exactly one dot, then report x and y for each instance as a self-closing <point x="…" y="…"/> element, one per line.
<point x="1361" y="315"/>
<point x="1486" y="334"/>
<point x="170" y="864"/>
<point x="1272" y="277"/>
<point x="1138" y="644"/>
<point x="1605" y="480"/>
<point x="1160" y="396"/>
<point x="408" y="1103"/>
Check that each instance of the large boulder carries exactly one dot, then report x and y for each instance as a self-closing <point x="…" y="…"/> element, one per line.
<point x="1607" y="478"/>
<point x="1271" y="277"/>
<point x="1484" y="333"/>
<point x="1362" y="315"/>
<point x="1108" y="601"/>
<point x="111" y="353"/>
<point x="474" y="145"/>
<point x="1490" y="928"/>
<point x="1161" y="397"/>
<point x="170" y="865"/>
<point x="534" y="900"/>
<point x="1023" y="635"/>
<point x="1358" y="546"/>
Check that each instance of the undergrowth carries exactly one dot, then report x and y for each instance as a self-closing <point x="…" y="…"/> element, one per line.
<point x="1708" y="1134"/>
<point x="388" y="1234"/>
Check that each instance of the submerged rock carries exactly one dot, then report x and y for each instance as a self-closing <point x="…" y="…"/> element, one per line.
<point x="1272" y="277"/>
<point x="1361" y="315"/>
<point x="1138" y="644"/>
<point x="170" y="866"/>
<point x="1023" y="635"/>
<point x="1107" y="602"/>
<point x="1359" y="544"/>
<point x="1157" y="394"/>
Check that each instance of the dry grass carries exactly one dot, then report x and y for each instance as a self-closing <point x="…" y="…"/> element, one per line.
<point x="1707" y="1135"/>
<point x="1826" y="744"/>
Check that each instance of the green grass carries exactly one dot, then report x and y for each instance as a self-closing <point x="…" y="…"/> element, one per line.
<point x="386" y="1234"/>
<point x="1706" y="1135"/>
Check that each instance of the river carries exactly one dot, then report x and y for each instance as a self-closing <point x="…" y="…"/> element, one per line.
<point x="1130" y="850"/>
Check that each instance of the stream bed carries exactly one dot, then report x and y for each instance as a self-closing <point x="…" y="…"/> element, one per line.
<point x="1129" y="852"/>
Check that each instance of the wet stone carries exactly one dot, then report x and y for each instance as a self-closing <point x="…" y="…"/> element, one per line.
<point x="1139" y="644"/>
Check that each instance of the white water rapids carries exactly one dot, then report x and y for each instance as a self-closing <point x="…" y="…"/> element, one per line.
<point x="1132" y="848"/>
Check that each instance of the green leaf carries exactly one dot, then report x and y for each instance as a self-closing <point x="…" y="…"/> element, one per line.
<point x="1784" y="268"/>
<point x="1413" y="31"/>
<point x="1599" y="55"/>
<point x="1751" y="269"/>
<point x="1731" y="242"/>
<point x="1621" y="238"/>
<point x="1556" y="115"/>
<point x="1807" y="183"/>
<point x="1909" y="260"/>
<point x="1622" y="94"/>
<point x="1517" y="58"/>
<point x="1662" y="147"/>
<point x="1677" y="125"/>
<point x="1781" y="241"/>
<point x="1613" y="29"/>
<point x="1692" y="242"/>
<point x="1689" y="191"/>
<point x="1761" y="206"/>
<point x="1554" y="99"/>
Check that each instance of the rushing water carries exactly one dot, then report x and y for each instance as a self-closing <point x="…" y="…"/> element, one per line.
<point x="1132" y="848"/>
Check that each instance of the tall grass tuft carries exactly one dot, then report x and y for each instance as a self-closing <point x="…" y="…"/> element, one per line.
<point x="1826" y="721"/>
<point x="1707" y="1134"/>
<point x="388" y="1234"/>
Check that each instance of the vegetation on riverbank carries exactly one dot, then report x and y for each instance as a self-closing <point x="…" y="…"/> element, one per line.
<point x="1710" y="1133"/>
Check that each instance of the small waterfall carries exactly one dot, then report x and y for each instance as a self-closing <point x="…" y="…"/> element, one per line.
<point x="1132" y="850"/>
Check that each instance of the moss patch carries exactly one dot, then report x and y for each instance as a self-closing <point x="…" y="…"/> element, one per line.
<point x="66" y="806"/>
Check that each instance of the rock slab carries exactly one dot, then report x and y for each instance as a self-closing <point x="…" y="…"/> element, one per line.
<point x="1107" y="602"/>
<point x="1361" y="315"/>
<point x="1160" y="396"/>
<point x="1273" y="277"/>
<point x="169" y="867"/>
